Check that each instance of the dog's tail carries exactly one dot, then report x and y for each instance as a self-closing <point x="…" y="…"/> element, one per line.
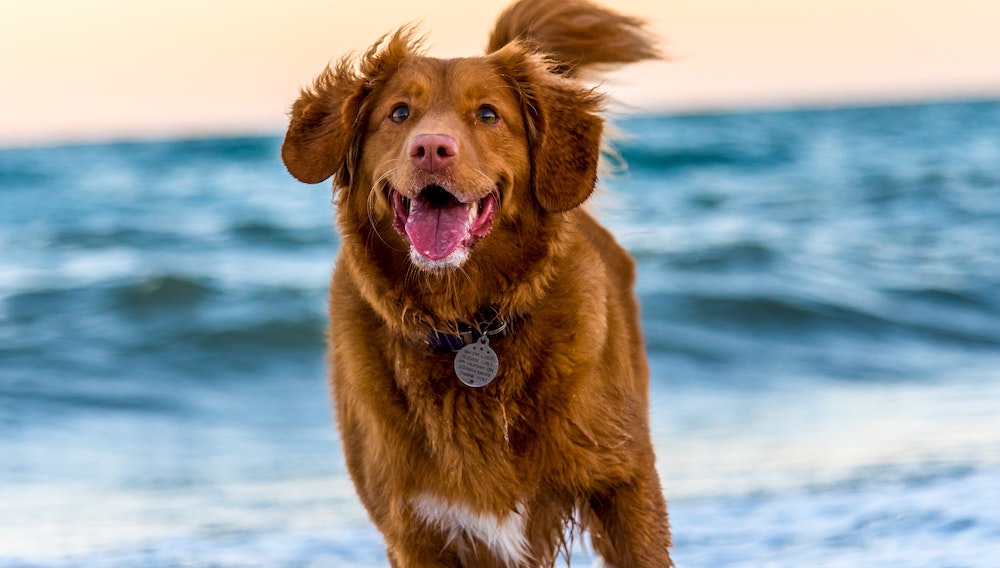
<point x="577" y="35"/>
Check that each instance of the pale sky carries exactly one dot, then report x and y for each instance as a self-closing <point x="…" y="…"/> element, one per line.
<point x="109" y="69"/>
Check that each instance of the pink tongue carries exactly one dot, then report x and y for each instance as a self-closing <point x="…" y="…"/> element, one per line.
<point x="437" y="231"/>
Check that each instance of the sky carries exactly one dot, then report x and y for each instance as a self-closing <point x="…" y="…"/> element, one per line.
<point x="80" y="70"/>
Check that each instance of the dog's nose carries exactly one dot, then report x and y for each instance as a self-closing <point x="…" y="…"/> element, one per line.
<point x="432" y="152"/>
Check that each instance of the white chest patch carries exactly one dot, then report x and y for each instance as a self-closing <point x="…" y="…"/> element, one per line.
<point x="504" y="536"/>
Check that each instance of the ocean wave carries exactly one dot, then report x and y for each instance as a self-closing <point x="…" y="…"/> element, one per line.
<point x="301" y="334"/>
<point x="673" y="160"/>
<point x="761" y="314"/>
<point x="917" y="316"/>
<point x="166" y="292"/>
<point x="249" y="232"/>
<point x="272" y="234"/>
<point x="719" y="257"/>
<point x="16" y="171"/>
<point x="187" y="153"/>
<point x="43" y="401"/>
<point x="122" y="237"/>
<point x="156" y="319"/>
<point x="204" y="315"/>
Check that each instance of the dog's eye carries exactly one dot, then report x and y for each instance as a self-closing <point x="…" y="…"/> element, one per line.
<point x="487" y="115"/>
<point x="399" y="113"/>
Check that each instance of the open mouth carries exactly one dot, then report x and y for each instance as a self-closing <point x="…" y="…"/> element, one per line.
<point x="437" y="224"/>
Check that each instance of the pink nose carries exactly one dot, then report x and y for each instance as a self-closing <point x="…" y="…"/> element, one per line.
<point x="432" y="152"/>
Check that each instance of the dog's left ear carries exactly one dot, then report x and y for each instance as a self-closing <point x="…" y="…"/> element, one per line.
<point x="567" y="144"/>
<point x="545" y="46"/>
<point x="562" y="118"/>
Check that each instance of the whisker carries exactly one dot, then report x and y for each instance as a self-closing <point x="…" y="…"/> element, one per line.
<point x="373" y="195"/>
<point x="462" y="269"/>
<point x="489" y="181"/>
<point x="491" y="184"/>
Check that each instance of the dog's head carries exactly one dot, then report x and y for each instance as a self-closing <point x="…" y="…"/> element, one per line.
<point x="464" y="163"/>
<point x="447" y="152"/>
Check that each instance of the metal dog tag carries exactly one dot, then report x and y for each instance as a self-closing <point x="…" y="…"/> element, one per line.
<point x="476" y="364"/>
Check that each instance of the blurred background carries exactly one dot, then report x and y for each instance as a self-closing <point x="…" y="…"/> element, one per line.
<point x="813" y="197"/>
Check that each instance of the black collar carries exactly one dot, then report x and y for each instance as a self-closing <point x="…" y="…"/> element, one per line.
<point x="487" y="322"/>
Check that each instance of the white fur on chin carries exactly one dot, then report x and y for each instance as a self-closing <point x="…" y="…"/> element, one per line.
<point x="454" y="260"/>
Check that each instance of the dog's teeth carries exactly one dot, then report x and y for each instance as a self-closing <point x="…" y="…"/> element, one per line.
<point x="473" y="211"/>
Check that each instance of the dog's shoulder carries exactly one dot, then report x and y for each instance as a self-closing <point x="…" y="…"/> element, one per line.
<point x="616" y="260"/>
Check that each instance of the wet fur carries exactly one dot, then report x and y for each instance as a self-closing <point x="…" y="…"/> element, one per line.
<point x="560" y="439"/>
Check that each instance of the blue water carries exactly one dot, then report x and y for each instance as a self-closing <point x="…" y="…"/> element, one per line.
<point x="821" y="300"/>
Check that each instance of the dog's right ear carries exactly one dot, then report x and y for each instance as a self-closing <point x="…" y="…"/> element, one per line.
<point x="322" y="127"/>
<point x="328" y="120"/>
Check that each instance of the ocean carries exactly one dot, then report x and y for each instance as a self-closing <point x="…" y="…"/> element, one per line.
<point x="820" y="293"/>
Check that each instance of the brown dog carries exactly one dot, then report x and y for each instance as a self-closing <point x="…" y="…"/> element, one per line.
<point x="458" y="190"/>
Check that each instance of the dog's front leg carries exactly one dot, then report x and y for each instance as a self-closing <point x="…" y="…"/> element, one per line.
<point x="417" y="546"/>
<point x="633" y="531"/>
